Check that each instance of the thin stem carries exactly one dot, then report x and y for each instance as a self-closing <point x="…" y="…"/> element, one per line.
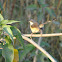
<point x="43" y="35"/>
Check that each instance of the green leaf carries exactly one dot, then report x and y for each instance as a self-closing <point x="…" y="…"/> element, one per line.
<point x="44" y="58"/>
<point x="50" y="11"/>
<point x="44" y="5"/>
<point x="31" y="7"/>
<point x="8" y="40"/>
<point x="1" y="18"/>
<point x="41" y="2"/>
<point x="8" y="52"/>
<point x="45" y="44"/>
<point x="8" y="31"/>
<point x="28" y="48"/>
<point x="9" y="21"/>
<point x="53" y="12"/>
<point x="17" y="34"/>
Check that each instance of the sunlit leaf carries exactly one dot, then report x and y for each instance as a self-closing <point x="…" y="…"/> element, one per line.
<point x="9" y="21"/>
<point x="8" y="53"/>
<point x="8" y="31"/>
<point x="8" y="40"/>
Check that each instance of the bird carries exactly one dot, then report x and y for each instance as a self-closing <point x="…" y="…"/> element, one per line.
<point x="35" y="27"/>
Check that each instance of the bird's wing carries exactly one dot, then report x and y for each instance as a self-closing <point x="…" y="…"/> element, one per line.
<point x="35" y="25"/>
<point x="41" y="25"/>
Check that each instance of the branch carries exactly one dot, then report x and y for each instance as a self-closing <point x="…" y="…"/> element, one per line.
<point x="43" y="35"/>
<point x="40" y="48"/>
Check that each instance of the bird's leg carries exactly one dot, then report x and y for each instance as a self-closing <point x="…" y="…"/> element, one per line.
<point x="40" y="31"/>
<point x="31" y="35"/>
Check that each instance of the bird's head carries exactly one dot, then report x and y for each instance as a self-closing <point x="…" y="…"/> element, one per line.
<point x="31" y="22"/>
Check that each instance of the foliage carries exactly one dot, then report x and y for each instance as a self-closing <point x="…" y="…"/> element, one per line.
<point x="8" y="52"/>
<point x="8" y="49"/>
<point x="28" y="48"/>
<point x="24" y="10"/>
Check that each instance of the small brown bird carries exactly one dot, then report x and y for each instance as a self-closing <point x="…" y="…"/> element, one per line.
<point x="35" y="27"/>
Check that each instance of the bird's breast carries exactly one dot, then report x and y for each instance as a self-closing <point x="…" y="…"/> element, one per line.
<point x="34" y="30"/>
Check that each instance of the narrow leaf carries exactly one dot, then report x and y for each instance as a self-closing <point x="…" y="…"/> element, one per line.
<point x="44" y="5"/>
<point x="17" y="34"/>
<point x="31" y="7"/>
<point x="8" y="31"/>
<point x="41" y="2"/>
<point x="1" y="18"/>
<point x="9" y="21"/>
<point x="45" y="44"/>
<point x="50" y="11"/>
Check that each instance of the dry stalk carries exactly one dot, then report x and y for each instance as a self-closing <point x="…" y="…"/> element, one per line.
<point x="40" y="48"/>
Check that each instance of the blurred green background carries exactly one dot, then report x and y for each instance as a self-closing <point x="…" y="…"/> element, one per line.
<point x="41" y="11"/>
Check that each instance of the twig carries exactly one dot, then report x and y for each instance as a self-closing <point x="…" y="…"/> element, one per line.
<point x="43" y="35"/>
<point x="40" y="48"/>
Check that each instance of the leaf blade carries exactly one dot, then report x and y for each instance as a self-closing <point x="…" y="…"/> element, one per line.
<point x="8" y="53"/>
<point x="17" y="34"/>
<point x="28" y="48"/>
<point x="9" y="21"/>
<point x="8" y="31"/>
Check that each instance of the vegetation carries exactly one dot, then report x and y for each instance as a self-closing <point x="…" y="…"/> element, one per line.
<point x="12" y="46"/>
